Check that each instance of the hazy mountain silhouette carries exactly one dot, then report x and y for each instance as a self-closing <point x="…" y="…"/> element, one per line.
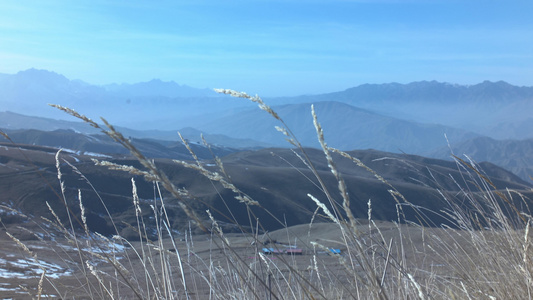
<point x="156" y="87"/>
<point x="345" y="127"/>
<point x="150" y="105"/>
<point x="513" y="155"/>
<point x="475" y="108"/>
<point x="481" y="108"/>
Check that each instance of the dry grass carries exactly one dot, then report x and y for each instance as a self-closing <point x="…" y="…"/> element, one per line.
<point x="486" y="255"/>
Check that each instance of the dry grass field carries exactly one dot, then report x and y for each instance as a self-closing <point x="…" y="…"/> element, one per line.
<point x="414" y="262"/>
<point x="212" y="270"/>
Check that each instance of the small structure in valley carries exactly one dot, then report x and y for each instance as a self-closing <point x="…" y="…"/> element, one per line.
<point x="271" y="251"/>
<point x="294" y="251"/>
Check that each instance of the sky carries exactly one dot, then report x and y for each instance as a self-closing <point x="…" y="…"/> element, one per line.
<point x="270" y="48"/>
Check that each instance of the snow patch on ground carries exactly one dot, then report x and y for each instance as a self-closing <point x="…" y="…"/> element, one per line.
<point x="70" y="151"/>
<point x="77" y="152"/>
<point x="96" y="154"/>
<point x="91" y="138"/>
<point x="27" y="268"/>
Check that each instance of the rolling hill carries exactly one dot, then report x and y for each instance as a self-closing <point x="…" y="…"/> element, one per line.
<point x="274" y="177"/>
<point x="513" y="155"/>
<point x="101" y="144"/>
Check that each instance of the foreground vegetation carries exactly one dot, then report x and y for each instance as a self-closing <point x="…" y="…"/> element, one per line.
<point x="483" y="252"/>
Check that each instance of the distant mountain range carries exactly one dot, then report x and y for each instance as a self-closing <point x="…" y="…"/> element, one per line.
<point x="486" y="92"/>
<point x="487" y="108"/>
<point x="150" y="105"/>
<point x="411" y="118"/>
<point x="484" y="108"/>
<point x="156" y="87"/>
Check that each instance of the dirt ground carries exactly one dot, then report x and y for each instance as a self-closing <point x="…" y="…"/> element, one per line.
<point x="202" y="258"/>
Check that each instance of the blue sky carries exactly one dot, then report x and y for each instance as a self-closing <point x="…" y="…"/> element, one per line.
<point x="272" y="48"/>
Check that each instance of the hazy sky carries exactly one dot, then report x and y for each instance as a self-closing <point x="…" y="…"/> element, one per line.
<point x="271" y="48"/>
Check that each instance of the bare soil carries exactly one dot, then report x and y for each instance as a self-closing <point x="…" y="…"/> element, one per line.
<point x="67" y="278"/>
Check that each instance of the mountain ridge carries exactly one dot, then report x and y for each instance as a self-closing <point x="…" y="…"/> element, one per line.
<point x="513" y="155"/>
<point x="366" y="129"/>
<point x="426" y="90"/>
<point x="13" y="121"/>
<point x="474" y="108"/>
